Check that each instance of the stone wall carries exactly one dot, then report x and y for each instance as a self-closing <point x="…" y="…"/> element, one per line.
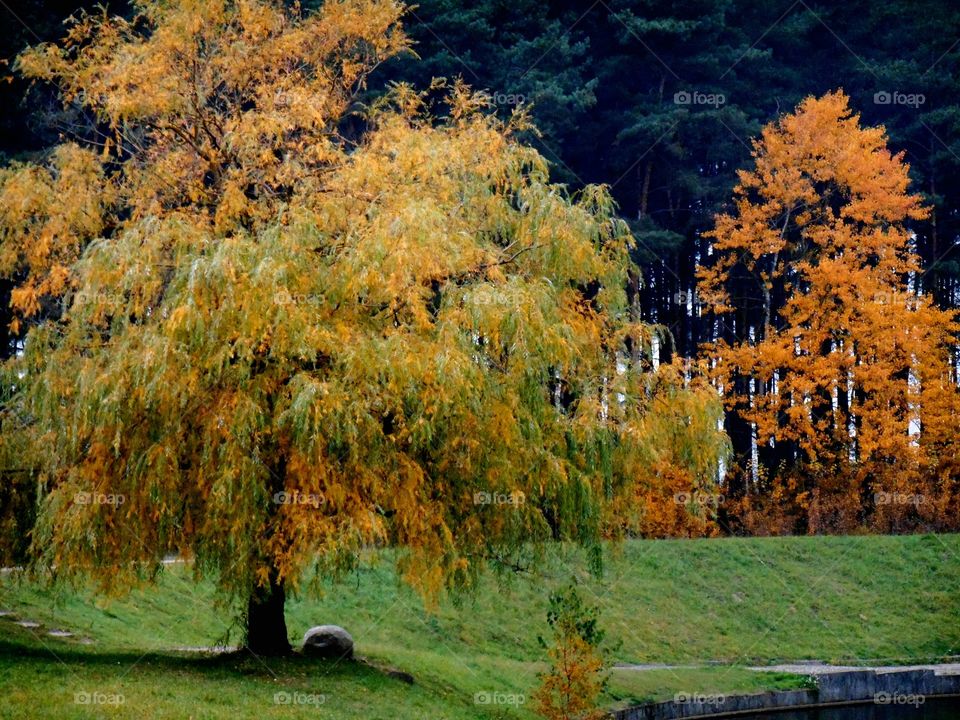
<point x="881" y="687"/>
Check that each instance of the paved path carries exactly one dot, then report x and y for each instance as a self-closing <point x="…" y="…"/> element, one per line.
<point x="818" y="668"/>
<point x="208" y="649"/>
<point x="804" y="668"/>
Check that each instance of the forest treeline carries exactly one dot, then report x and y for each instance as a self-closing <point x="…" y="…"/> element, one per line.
<point x="662" y="101"/>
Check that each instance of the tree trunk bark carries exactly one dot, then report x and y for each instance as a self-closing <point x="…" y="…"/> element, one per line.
<point x="645" y="190"/>
<point x="266" y="625"/>
<point x="6" y="317"/>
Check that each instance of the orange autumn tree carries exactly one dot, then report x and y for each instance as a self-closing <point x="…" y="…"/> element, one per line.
<point x="48" y="214"/>
<point x="677" y="494"/>
<point x="846" y="376"/>
<point x="297" y="328"/>
<point x="570" y="688"/>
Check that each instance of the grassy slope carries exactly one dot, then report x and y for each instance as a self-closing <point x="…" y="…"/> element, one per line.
<point x="854" y="599"/>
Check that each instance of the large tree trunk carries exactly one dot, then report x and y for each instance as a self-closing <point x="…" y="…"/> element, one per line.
<point x="6" y="316"/>
<point x="266" y="626"/>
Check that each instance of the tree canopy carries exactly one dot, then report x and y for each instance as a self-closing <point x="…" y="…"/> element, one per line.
<point x="849" y="378"/>
<point x="293" y="327"/>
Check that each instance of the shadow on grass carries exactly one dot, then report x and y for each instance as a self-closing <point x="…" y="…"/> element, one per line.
<point x="240" y="662"/>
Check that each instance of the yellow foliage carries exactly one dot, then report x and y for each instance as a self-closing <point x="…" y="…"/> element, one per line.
<point x="47" y="216"/>
<point x="281" y="347"/>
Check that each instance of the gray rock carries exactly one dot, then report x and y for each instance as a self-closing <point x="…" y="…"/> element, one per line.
<point x="328" y="641"/>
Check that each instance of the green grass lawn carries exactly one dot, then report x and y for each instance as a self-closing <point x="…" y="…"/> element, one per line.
<point x="711" y="606"/>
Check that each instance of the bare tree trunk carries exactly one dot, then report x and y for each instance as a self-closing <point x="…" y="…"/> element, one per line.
<point x="645" y="190"/>
<point x="648" y="169"/>
<point x="6" y="316"/>
<point x="266" y="625"/>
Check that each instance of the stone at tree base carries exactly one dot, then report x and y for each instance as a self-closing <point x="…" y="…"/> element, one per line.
<point x="328" y="641"/>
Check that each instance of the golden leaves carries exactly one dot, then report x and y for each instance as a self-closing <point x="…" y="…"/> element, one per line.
<point x="47" y="215"/>
<point x="233" y="102"/>
<point x="820" y="222"/>
<point x="393" y="327"/>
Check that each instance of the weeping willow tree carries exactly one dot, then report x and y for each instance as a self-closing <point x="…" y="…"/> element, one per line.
<point x="288" y="335"/>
